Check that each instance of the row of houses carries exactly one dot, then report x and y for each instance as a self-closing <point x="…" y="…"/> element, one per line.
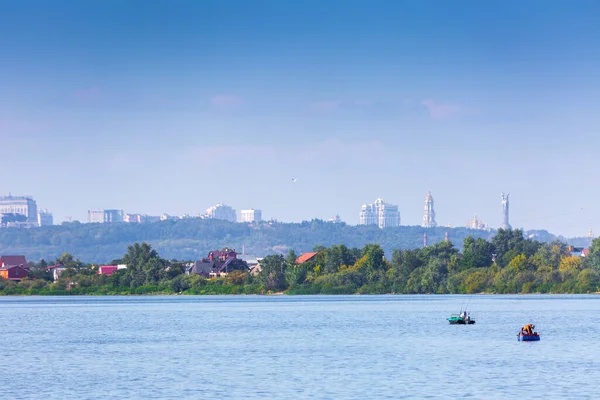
<point x="219" y="263"/>
<point x="216" y="264"/>
<point x="16" y="268"/>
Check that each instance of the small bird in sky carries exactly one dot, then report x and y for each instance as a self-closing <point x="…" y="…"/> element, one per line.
<point x="294" y="180"/>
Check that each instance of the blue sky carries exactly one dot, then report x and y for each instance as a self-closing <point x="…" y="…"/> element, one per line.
<point x="174" y="106"/>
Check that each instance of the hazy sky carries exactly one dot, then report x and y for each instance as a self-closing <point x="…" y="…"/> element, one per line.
<point x="162" y="106"/>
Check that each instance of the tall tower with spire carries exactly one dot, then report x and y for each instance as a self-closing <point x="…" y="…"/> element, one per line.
<point x="429" y="215"/>
<point x="505" y="224"/>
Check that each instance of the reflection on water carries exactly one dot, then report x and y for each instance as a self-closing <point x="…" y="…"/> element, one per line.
<point x="325" y="347"/>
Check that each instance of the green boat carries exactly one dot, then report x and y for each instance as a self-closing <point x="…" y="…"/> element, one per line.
<point x="461" y="319"/>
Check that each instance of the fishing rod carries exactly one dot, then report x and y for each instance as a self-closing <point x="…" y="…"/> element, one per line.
<point x="468" y="301"/>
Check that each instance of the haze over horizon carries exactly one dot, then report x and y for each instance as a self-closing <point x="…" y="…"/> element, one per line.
<point x="161" y="107"/>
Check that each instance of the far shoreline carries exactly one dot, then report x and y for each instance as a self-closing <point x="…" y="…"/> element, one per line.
<point x="279" y="294"/>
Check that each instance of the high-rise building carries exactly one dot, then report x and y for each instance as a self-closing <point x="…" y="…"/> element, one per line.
<point x="429" y="215"/>
<point x="105" y="216"/>
<point x="20" y="205"/>
<point x="250" y="215"/>
<point x="505" y="224"/>
<point x="221" y="211"/>
<point x="96" y="216"/>
<point x="379" y="213"/>
<point x="45" y="218"/>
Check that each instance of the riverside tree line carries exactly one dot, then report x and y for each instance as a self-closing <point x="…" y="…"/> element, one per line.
<point x="508" y="263"/>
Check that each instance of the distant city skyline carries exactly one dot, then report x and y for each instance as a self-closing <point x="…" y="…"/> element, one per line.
<point x="305" y="110"/>
<point x="221" y="211"/>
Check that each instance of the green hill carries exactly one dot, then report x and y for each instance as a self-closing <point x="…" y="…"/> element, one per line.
<point x="189" y="239"/>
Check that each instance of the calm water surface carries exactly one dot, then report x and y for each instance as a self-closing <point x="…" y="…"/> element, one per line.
<point x="313" y="347"/>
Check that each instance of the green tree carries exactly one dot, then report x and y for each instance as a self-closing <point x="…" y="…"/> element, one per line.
<point x="433" y="277"/>
<point x="510" y="243"/>
<point x="477" y="253"/>
<point x="291" y="258"/>
<point x="272" y="274"/>
<point x="549" y="255"/>
<point x="478" y="280"/>
<point x="374" y="262"/>
<point x="397" y="274"/>
<point x="68" y="261"/>
<point x="40" y="273"/>
<point x="175" y="269"/>
<point x="593" y="258"/>
<point x="570" y="263"/>
<point x="144" y="266"/>
<point x="587" y="281"/>
<point x="336" y="256"/>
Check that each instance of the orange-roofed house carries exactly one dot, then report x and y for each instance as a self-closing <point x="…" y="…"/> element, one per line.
<point x="306" y="257"/>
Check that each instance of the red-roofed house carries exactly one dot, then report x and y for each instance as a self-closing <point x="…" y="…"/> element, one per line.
<point x="306" y="257"/>
<point x="13" y="268"/>
<point x="107" y="269"/>
<point x="585" y="252"/>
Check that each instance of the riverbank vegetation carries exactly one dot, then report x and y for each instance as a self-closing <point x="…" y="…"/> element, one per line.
<point x="508" y="263"/>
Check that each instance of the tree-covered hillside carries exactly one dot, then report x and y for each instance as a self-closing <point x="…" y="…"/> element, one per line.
<point x="189" y="239"/>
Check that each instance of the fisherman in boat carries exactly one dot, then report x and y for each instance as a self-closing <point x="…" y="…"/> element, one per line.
<point x="463" y="315"/>
<point x="528" y="330"/>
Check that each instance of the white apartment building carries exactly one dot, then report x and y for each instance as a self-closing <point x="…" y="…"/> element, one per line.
<point x="221" y="211"/>
<point x="105" y="216"/>
<point x="20" y="205"/>
<point x="250" y="215"/>
<point x="379" y="213"/>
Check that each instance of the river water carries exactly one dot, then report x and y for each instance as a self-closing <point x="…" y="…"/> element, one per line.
<point x="288" y="347"/>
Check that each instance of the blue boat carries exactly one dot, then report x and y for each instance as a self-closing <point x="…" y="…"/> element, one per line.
<point x="528" y="338"/>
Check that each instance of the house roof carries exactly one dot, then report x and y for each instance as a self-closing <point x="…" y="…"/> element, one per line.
<point x="203" y="267"/>
<point x="13" y="260"/>
<point x="306" y="257"/>
<point x="107" y="269"/>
